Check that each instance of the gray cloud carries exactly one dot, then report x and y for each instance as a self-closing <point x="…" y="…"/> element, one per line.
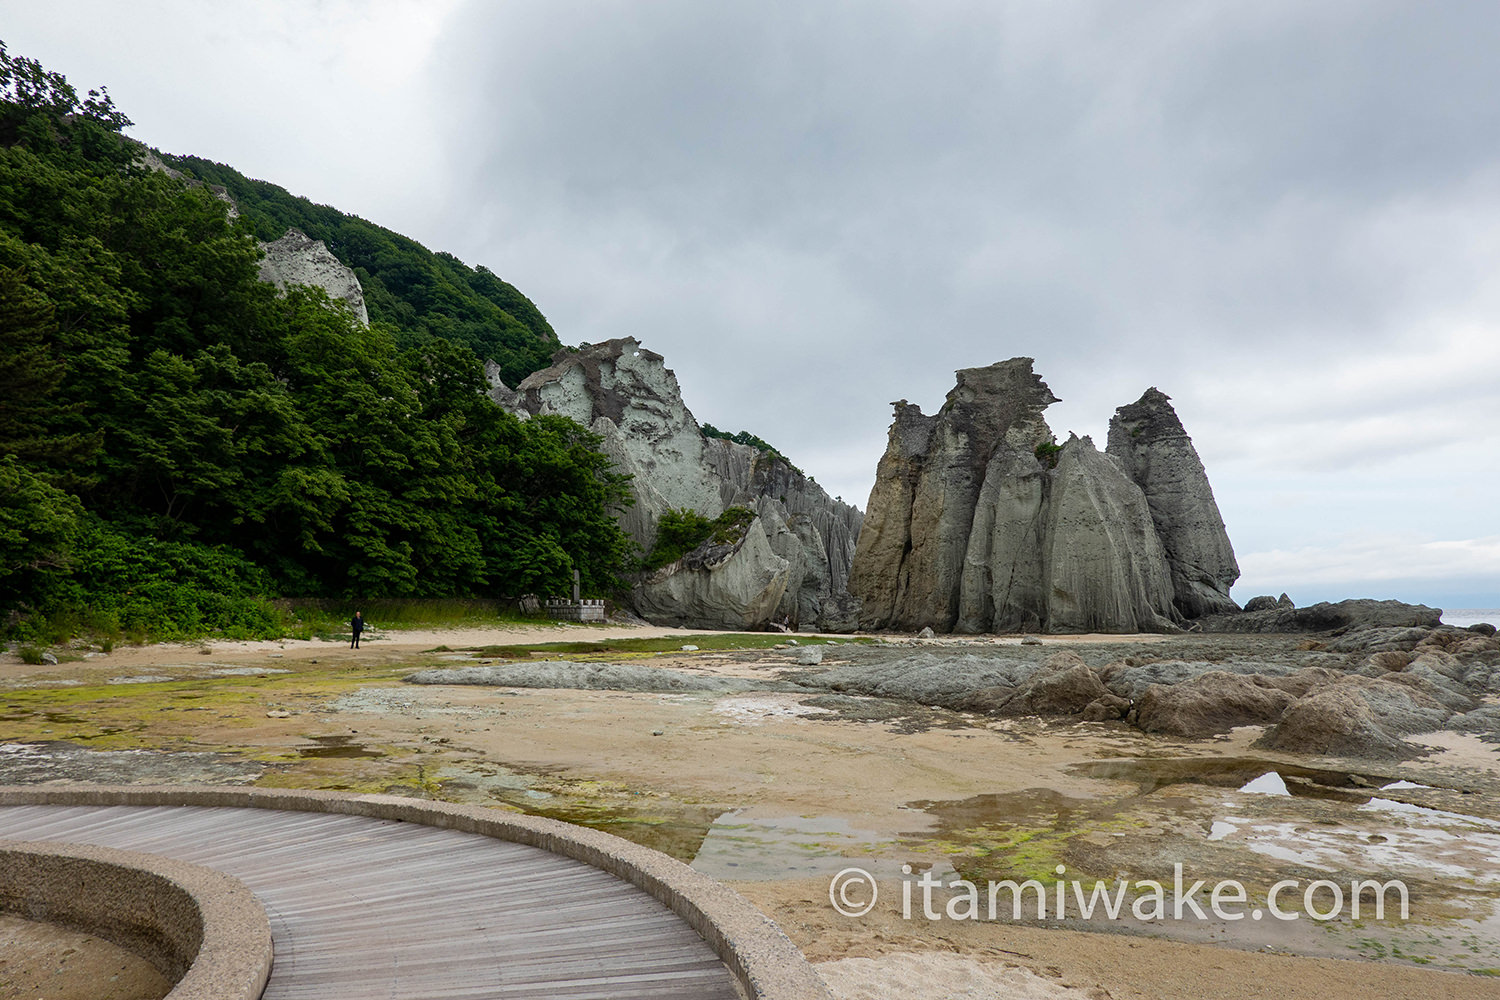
<point x="1280" y="213"/>
<point x="814" y="210"/>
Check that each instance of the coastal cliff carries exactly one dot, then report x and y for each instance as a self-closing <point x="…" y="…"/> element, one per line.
<point x="791" y="562"/>
<point x="980" y="522"/>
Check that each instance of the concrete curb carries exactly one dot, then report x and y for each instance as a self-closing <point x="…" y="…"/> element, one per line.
<point x="200" y="928"/>
<point x="767" y="965"/>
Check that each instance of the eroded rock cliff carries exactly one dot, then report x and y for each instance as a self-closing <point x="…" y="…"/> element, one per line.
<point x="296" y="259"/>
<point x="979" y="522"/>
<point x="794" y="558"/>
<point x="1149" y="441"/>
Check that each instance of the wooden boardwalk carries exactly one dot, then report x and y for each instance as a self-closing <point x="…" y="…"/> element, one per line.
<point x="367" y="908"/>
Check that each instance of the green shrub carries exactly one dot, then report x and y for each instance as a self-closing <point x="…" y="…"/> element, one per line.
<point x="31" y="655"/>
<point x="745" y="437"/>
<point x="1047" y="453"/>
<point x="679" y="532"/>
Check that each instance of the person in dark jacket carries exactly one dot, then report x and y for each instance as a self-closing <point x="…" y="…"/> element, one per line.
<point x="356" y="626"/>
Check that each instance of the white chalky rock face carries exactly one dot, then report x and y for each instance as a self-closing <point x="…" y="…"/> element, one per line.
<point x="800" y="546"/>
<point x="630" y="397"/>
<point x="297" y="260"/>
<point x="737" y="587"/>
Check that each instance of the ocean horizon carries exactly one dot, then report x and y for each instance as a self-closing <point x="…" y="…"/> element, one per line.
<point x="1464" y="617"/>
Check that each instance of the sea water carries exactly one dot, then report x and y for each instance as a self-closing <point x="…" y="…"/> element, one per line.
<point x="1464" y="617"/>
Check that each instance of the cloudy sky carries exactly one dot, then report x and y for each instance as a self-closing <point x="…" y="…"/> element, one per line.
<point x="1284" y="215"/>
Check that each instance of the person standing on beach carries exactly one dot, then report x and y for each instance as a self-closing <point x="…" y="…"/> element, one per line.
<point x="356" y="626"/>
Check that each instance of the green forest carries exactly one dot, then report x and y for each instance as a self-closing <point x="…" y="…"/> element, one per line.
<point x="179" y="444"/>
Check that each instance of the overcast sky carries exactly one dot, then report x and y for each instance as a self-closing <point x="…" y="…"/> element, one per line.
<point x="1286" y="216"/>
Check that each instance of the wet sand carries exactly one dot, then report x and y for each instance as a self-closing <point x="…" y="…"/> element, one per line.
<point x="777" y="792"/>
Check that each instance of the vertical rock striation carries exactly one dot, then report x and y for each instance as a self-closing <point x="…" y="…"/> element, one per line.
<point x="794" y="557"/>
<point x="1148" y="439"/>
<point x="978" y="522"/>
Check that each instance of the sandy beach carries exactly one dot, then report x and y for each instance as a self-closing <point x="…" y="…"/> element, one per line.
<point x="776" y="792"/>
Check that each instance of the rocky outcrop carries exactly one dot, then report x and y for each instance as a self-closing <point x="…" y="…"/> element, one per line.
<point x="296" y="259"/>
<point x="1147" y="438"/>
<point x="1104" y="566"/>
<point x="1063" y="685"/>
<point x="736" y="586"/>
<point x="979" y="522"/>
<point x="796" y="555"/>
<point x="501" y="394"/>
<point x="1212" y="702"/>
<point x="147" y="158"/>
<point x="1347" y="616"/>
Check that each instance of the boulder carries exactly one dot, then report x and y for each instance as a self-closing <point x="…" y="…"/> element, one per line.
<point x="1264" y="602"/>
<point x="295" y="259"/>
<point x="737" y="585"/>
<point x="809" y="656"/>
<point x="1212" y="702"/>
<point x="1333" y="723"/>
<point x="1148" y="439"/>
<point x="1105" y="708"/>
<point x="1064" y="685"/>
<point x="1358" y="716"/>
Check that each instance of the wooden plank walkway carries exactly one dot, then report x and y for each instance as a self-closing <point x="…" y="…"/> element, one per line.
<point x="366" y="908"/>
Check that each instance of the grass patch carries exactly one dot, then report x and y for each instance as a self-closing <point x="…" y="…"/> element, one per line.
<point x="304" y="618"/>
<point x="151" y="715"/>
<point x="31" y="655"/>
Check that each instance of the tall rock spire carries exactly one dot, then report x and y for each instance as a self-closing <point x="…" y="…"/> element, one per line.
<point x="979" y="522"/>
<point x="1148" y="439"/>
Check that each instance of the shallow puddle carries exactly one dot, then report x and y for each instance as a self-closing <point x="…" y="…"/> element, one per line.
<point x="336" y="747"/>
<point x="742" y="845"/>
<point x="1152" y="773"/>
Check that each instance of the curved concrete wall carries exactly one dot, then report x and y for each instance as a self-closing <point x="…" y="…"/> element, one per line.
<point x="767" y="965"/>
<point x="202" y="929"/>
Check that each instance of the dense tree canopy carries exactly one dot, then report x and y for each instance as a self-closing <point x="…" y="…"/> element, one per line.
<point x="178" y="441"/>
<point x="424" y="295"/>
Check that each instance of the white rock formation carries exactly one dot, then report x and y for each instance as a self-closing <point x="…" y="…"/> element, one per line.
<point x="737" y="586"/>
<point x="799" y="547"/>
<point x="297" y="260"/>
